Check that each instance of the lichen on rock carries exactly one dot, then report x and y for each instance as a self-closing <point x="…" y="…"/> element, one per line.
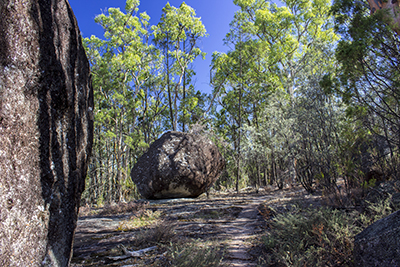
<point x="178" y="165"/>
<point x="379" y="243"/>
<point x="46" y="126"/>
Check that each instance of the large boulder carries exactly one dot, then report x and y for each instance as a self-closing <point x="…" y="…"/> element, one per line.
<point x="46" y="131"/>
<point x="379" y="243"/>
<point x="178" y="165"/>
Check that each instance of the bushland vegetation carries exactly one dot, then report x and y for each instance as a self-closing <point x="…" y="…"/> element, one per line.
<point x="308" y="93"/>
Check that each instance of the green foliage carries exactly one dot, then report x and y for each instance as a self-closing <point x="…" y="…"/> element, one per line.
<point x="285" y="36"/>
<point x="177" y="35"/>
<point x="130" y="89"/>
<point x="268" y="86"/>
<point x="368" y="78"/>
<point x="290" y="102"/>
<point x="319" y="236"/>
<point x="368" y="184"/>
<point x="322" y="237"/>
<point x="121" y="64"/>
<point x="377" y="210"/>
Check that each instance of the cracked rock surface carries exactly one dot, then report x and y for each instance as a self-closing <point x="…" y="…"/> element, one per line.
<point x="46" y="131"/>
<point x="178" y="165"/>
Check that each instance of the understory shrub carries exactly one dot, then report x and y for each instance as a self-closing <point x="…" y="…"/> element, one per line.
<point x="318" y="237"/>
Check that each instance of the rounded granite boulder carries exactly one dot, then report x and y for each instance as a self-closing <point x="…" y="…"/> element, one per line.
<point x="178" y="165"/>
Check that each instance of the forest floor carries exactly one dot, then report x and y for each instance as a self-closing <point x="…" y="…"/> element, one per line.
<point x="225" y="230"/>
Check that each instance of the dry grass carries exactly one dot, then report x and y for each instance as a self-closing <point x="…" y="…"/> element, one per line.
<point x="316" y="236"/>
<point x="121" y="208"/>
<point x="162" y="232"/>
<point x="213" y="214"/>
<point x="140" y="219"/>
<point x="114" y="209"/>
<point x="175" y="250"/>
<point x="312" y="237"/>
<point x="193" y="253"/>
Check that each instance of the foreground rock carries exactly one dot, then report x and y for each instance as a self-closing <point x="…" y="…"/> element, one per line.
<point x="379" y="244"/>
<point x="178" y="165"/>
<point x="45" y="131"/>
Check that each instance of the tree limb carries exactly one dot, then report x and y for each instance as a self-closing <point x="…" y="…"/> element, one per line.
<point x="132" y="254"/>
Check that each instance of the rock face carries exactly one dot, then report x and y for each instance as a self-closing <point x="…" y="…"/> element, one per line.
<point x="46" y="131"/>
<point x="178" y="165"/>
<point x="379" y="243"/>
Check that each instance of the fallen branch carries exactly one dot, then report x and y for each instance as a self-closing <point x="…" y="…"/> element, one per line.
<point x="132" y="254"/>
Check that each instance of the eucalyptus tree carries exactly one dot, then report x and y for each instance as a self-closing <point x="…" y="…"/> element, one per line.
<point x="231" y="80"/>
<point x="121" y="67"/>
<point x="319" y="123"/>
<point x="177" y="36"/>
<point x="287" y="34"/>
<point x="369" y="78"/>
<point x="278" y="43"/>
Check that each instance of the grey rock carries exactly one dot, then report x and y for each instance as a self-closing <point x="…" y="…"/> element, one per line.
<point x="379" y="243"/>
<point x="178" y="165"/>
<point x="46" y="131"/>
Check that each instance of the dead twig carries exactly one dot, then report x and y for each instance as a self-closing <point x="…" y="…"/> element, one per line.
<point x="132" y="254"/>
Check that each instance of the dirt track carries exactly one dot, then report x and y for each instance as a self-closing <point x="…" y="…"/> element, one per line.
<point x="233" y="221"/>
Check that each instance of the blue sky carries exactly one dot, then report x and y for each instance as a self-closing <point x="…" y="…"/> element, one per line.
<point x="215" y="14"/>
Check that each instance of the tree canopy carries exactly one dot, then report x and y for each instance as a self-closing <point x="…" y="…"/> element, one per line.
<point x="303" y="91"/>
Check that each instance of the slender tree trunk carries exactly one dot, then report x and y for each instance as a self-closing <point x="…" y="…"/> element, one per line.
<point x="265" y="175"/>
<point x="119" y="148"/>
<point x="184" y="95"/>
<point x="240" y="116"/>
<point x="176" y="106"/>
<point x="114" y="172"/>
<point x="171" y="112"/>
<point x="100" y="182"/>
<point x="93" y="182"/>
<point x="274" y="175"/>
<point x="239" y="151"/>
<point x="258" y="167"/>
<point x="184" y="98"/>
<point x="258" y="175"/>
<point x="176" y="96"/>
<point x="240" y="126"/>
<point x="109" y="176"/>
